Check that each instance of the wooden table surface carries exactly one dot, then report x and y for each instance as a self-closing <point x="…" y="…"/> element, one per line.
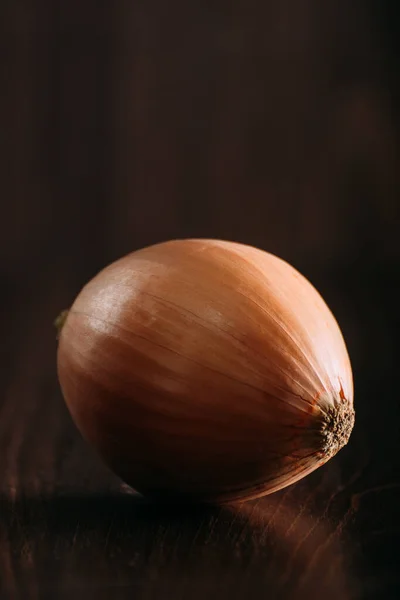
<point x="126" y="124"/>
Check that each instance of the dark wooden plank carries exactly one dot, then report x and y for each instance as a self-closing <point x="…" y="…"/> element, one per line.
<point x="126" y="123"/>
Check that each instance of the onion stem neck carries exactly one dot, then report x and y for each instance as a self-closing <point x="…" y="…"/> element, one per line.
<point x="60" y="321"/>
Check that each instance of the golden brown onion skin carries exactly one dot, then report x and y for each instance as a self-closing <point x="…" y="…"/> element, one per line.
<point x="207" y="369"/>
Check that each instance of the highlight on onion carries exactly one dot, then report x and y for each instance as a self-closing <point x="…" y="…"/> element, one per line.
<point x="206" y="369"/>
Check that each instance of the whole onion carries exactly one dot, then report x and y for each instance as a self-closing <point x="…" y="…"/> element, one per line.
<point x="206" y="369"/>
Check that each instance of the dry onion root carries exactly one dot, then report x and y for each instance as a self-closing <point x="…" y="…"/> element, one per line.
<point x="206" y="369"/>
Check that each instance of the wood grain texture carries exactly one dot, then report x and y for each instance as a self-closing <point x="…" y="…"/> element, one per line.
<point x="124" y="124"/>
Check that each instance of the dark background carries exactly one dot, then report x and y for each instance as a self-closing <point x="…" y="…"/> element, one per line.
<point x="126" y="123"/>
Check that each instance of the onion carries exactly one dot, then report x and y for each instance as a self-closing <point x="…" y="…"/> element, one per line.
<point x="206" y="369"/>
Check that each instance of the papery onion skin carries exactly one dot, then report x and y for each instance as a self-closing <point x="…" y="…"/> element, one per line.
<point x="206" y="369"/>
